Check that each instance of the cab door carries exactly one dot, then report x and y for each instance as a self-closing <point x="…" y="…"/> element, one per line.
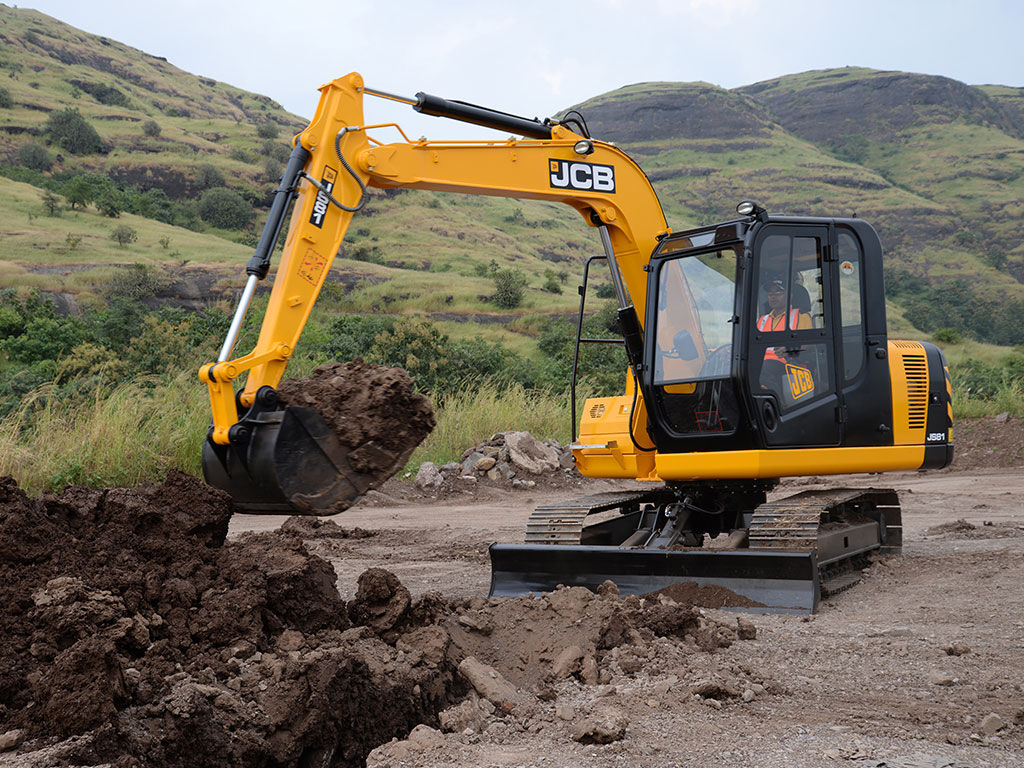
<point x="792" y="361"/>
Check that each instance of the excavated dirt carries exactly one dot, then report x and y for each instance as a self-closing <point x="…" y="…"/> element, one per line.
<point x="130" y="624"/>
<point x="373" y="410"/>
<point x="135" y="634"/>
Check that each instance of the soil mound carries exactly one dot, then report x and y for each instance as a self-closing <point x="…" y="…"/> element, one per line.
<point x="129" y="620"/>
<point x="135" y="634"/>
<point x="372" y="410"/>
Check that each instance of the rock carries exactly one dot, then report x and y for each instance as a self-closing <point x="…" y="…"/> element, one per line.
<point x="468" y="479"/>
<point x="486" y="463"/>
<point x="469" y="462"/>
<point x="1002" y="417"/>
<point x="523" y="483"/>
<point x="424" y="737"/>
<point x="746" y="630"/>
<point x="588" y="670"/>
<point x="940" y="678"/>
<point x="991" y="724"/>
<point x="11" y="739"/>
<point x="602" y="726"/>
<point x="957" y="649"/>
<point x="428" y="476"/>
<point x="710" y="689"/>
<point x="490" y="684"/>
<point x="565" y="712"/>
<point x="568" y="663"/>
<point x="465" y="715"/>
<point x="529" y="454"/>
<point x="748" y="695"/>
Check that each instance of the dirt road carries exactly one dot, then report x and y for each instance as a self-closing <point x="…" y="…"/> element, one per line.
<point x="920" y="665"/>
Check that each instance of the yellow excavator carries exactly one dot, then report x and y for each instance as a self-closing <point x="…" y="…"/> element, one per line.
<point x="757" y="349"/>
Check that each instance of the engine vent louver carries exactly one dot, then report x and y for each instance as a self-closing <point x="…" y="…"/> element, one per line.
<point x="915" y="369"/>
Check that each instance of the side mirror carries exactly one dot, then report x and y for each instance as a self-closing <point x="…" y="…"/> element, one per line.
<point x="684" y="346"/>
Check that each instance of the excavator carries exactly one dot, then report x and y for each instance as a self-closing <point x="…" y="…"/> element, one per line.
<point x="757" y="350"/>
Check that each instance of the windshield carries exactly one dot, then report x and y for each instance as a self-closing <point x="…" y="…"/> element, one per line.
<point x="694" y="320"/>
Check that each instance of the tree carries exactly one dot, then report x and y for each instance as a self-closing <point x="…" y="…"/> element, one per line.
<point x="124" y="235"/>
<point x="78" y="191"/>
<point x="51" y="203"/>
<point x="110" y="201"/>
<point x="72" y="132"/>
<point x="35" y="156"/>
<point x="509" y="288"/>
<point x="224" y="208"/>
<point x="151" y="128"/>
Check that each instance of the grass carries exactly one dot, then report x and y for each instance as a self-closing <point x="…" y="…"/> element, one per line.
<point x="473" y="415"/>
<point x="129" y="436"/>
<point x="1008" y="399"/>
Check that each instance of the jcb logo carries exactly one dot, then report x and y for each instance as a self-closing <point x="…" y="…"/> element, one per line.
<point x="801" y="382"/>
<point x="321" y="202"/>
<point x="582" y="176"/>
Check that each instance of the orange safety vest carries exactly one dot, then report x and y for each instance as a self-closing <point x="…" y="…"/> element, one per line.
<point x="767" y="323"/>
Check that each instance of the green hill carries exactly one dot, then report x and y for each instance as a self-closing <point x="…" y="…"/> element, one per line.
<point x="934" y="164"/>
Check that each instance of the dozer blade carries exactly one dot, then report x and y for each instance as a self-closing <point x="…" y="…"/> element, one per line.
<point x="291" y="464"/>
<point x="779" y="582"/>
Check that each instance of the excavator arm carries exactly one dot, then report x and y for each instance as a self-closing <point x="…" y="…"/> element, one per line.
<point x="333" y="162"/>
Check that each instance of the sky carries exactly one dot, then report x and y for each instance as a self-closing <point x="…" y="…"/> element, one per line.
<point x="536" y="58"/>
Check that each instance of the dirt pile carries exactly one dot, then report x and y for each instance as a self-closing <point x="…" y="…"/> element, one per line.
<point x="130" y="623"/>
<point x="373" y="411"/>
<point x="135" y="634"/>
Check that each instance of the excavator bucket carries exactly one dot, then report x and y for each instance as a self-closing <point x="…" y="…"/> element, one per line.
<point x="777" y="582"/>
<point x="292" y="463"/>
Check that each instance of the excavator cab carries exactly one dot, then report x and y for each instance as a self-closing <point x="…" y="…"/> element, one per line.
<point x="758" y="337"/>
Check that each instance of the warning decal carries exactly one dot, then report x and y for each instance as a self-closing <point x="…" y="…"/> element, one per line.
<point x="312" y="266"/>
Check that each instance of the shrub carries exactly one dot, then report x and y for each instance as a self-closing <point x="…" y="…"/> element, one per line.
<point x="124" y="235"/>
<point x="34" y="156"/>
<point x="6" y="100"/>
<point x="151" y="128"/>
<point x="551" y="284"/>
<point x="509" y="288"/>
<point x="947" y="336"/>
<point x="267" y="131"/>
<point x="208" y="177"/>
<point x="225" y="208"/>
<point x="72" y="132"/>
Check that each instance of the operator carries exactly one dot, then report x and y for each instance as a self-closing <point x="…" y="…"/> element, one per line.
<point x="775" y="318"/>
<point x="782" y="316"/>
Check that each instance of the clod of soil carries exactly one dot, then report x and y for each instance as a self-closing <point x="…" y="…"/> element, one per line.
<point x="372" y="410"/>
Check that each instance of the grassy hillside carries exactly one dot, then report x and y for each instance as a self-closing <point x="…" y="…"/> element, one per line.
<point x="934" y="164"/>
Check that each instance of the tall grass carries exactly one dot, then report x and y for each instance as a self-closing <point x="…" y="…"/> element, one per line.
<point x="127" y="436"/>
<point x="472" y="415"/>
<point x="1008" y="398"/>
